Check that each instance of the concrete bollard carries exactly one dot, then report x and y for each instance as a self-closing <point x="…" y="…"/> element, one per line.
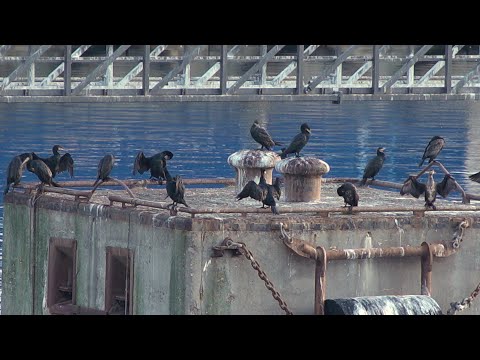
<point x="303" y="178"/>
<point x="248" y="165"/>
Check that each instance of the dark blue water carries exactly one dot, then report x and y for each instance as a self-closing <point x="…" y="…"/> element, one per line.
<point x="203" y="134"/>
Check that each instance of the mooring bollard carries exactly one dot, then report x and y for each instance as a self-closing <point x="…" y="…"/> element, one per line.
<point x="248" y="165"/>
<point x="303" y="178"/>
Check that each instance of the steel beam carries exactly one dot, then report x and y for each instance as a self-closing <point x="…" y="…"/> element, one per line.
<point x="223" y="70"/>
<point x="146" y="70"/>
<point x="23" y="67"/>
<point x="254" y="69"/>
<point x="461" y="83"/>
<point x="300" y="66"/>
<point x="4" y="49"/>
<point x="216" y="67"/>
<point x="448" y="68"/>
<point x="67" y="66"/>
<point x="325" y="73"/>
<point x="99" y="70"/>
<point x="187" y="58"/>
<point x="439" y="65"/>
<point x="139" y="67"/>
<point x="293" y="65"/>
<point x="61" y="68"/>
<point x="386" y="87"/>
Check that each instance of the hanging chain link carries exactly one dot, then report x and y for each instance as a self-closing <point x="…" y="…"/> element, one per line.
<point x="458" y="236"/>
<point x="465" y="303"/>
<point x="248" y="254"/>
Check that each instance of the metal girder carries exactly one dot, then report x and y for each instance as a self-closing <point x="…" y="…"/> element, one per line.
<point x="139" y="67"/>
<point x="386" y="87"/>
<point x="268" y="56"/>
<point x="313" y="84"/>
<point x="364" y="68"/>
<point x="213" y="70"/>
<point x="61" y="68"/>
<point x="292" y="66"/>
<point x="23" y="67"/>
<point x="466" y="79"/>
<point x="186" y="59"/>
<point x="4" y="49"/>
<point x="99" y="70"/>
<point x="438" y="66"/>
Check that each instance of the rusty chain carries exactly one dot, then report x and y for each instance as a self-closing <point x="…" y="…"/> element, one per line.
<point x="458" y="236"/>
<point x="248" y="254"/>
<point x="465" y="303"/>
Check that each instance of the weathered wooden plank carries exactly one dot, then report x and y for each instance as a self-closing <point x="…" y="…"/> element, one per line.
<point x="139" y="67"/>
<point x="292" y="66"/>
<point x="461" y="83"/>
<point x="438" y="66"/>
<point x="263" y="71"/>
<point x="186" y="59"/>
<point x="386" y="87"/>
<point x="213" y="70"/>
<point x="67" y="65"/>
<point x="23" y="67"/>
<point x="99" y="70"/>
<point x="61" y="68"/>
<point x="365" y="67"/>
<point x="448" y="68"/>
<point x="325" y="73"/>
<point x="108" y="80"/>
<point x="31" y="68"/>
<point x="146" y="70"/>
<point x="223" y="70"/>
<point x="300" y="65"/>
<point x="254" y="69"/>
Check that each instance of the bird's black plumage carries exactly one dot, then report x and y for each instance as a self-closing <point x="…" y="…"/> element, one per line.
<point x="58" y="163"/>
<point x="261" y="136"/>
<point x="105" y="166"/>
<point x="413" y="187"/>
<point x="298" y="142"/>
<point x="430" y="191"/>
<point x="263" y="192"/>
<point x="433" y="148"/>
<point x="15" y="169"/>
<point x="447" y="185"/>
<point x="475" y="177"/>
<point x="373" y="166"/>
<point x="43" y="172"/>
<point x="157" y="164"/>
<point x="175" y="189"/>
<point x="349" y="193"/>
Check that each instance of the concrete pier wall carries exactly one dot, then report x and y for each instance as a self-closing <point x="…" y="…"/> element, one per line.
<point x="175" y="273"/>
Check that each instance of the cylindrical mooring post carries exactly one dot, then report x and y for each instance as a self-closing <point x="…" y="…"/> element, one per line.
<point x="248" y="165"/>
<point x="303" y="178"/>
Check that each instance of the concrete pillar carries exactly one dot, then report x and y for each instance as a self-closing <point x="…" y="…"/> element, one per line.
<point x="248" y="165"/>
<point x="303" y="178"/>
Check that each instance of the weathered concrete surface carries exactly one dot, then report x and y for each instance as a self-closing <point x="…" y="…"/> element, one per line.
<point x="175" y="273"/>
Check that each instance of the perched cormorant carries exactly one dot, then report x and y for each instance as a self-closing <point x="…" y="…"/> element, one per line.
<point x="261" y="136"/>
<point x="349" y="193"/>
<point x="104" y="169"/>
<point x="175" y="190"/>
<point x="430" y="191"/>
<point x="15" y="169"/>
<point x="433" y="149"/>
<point x="298" y="142"/>
<point x="157" y="164"/>
<point x="43" y="172"/>
<point x="58" y="163"/>
<point x="263" y="192"/>
<point x="415" y="188"/>
<point x="373" y="166"/>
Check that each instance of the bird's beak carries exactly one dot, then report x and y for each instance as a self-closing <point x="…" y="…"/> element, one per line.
<point x="309" y="131"/>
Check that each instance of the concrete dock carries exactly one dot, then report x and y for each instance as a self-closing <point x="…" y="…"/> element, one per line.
<point x="174" y="270"/>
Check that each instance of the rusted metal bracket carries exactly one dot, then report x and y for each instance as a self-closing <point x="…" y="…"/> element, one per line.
<point x="227" y="244"/>
<point x="298" y="246"/>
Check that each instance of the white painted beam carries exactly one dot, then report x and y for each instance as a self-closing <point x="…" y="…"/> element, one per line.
<point x="438" y="66"/>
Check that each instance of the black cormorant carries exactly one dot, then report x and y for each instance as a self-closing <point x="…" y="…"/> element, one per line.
<point x="104" y="169"/>
<point x="374" y="165"/>
<point x="413" y="187"/>
<point x="298" y="142"/>
<point x="447" y="185"/>
<point x="430" y="191"/>
<point x="263" y="192"/>
<point x="349" y="193"/>
<point x="433" y="149"/>
<point x="175" y="190"/>
<point x="261" y="136"/>
<point x="157" y="164"/>
<point x="15" y="169"/>
<point x="58" y="163"/>
<point x="43" y="172"/>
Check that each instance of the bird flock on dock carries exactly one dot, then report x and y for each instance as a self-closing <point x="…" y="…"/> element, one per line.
<point x="46" y="169"/>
